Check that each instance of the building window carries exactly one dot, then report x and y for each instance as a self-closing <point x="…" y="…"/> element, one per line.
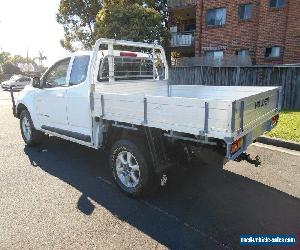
<point x="218" y="54"/>
<point x="245" y="11"/>
<point x="190" y="26"/>
<point x="216" y="17"/>
<point x="272" y="52"/>
<point x="173" y="29"/>
<point x="277" y="3"/>
<point x="243" y="52"/>
<point x="214" y="57"/>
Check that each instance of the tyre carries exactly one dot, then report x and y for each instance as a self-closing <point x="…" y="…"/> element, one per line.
<point x="131" y="171"/>
<point x="30" y="135"/>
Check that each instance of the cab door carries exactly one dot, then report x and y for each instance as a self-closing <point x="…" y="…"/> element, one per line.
<point x="50" y="101"/>
<point x="78" y="100"/>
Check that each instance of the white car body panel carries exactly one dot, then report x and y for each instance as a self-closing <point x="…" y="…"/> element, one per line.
<point x="79" y="109"/>
<point x="51" y="108"/>
<point x="27" y="98"/>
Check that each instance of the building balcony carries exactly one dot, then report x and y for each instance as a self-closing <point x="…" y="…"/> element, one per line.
<point x="180" y="3"/>
<point x="182" y="39"/>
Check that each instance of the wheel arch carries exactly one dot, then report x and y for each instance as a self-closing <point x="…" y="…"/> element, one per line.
<point x="115" y="133"/>
<point x="20" y="108"/>
<point x="150" y="139"/>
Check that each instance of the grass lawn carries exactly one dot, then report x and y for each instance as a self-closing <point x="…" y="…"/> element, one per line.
<point x="288" y="127"/>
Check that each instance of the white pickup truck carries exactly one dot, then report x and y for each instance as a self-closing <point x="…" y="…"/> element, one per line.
<point x="118" y="100"/>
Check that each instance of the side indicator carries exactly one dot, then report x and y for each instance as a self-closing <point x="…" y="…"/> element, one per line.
<point x="275" y="120"/>
<point x="236" y="145"/>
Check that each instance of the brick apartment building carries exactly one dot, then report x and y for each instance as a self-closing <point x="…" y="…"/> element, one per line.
<point x="266" y="30"/>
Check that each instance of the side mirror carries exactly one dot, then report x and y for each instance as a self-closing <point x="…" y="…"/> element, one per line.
<point x="36" y="82"/>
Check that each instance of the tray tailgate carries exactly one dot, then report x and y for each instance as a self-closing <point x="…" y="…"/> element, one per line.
<point x="254" y="110"/>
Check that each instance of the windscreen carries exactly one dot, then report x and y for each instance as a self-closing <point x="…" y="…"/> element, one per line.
<point x="127" y="68"/>
<point x="15" y="77"/>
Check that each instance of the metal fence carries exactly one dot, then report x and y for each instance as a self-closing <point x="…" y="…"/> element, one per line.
<point x="223" y="61"/>
<point x="288" y="77"/>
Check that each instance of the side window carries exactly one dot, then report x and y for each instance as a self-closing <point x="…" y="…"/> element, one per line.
<point x="57" y="75"/>
<point x="25" y="79"/>
<point x="103" y="74"/>
<point x="79" y="69"/>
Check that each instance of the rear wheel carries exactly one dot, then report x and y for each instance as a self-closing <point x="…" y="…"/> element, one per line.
<point x="30" y="135"/>
<point x="131" y="171"/>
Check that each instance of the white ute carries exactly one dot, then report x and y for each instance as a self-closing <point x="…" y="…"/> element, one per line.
<point x="121" y="101"/>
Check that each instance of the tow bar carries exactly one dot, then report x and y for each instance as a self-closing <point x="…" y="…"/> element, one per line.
<point x="13" y="102"/>
<point x="246" y="157"/>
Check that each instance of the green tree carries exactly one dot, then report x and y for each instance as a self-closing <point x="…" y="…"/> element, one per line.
<point x="10" y="69"/>
<point x="9" y="63"/>
<point x="4" y="57"/>
<point x="161" y="6"/>
<point x="20" y="59"/>
<point x="78" y="18"/>
<point x="122" y="19"/>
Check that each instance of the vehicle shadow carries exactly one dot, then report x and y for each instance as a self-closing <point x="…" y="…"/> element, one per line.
<point x="202" y="207"/>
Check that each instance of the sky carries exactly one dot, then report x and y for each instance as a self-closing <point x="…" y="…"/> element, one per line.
<point x="31" y="24"/>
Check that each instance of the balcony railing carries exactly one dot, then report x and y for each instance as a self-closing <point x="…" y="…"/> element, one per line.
<point x="182" y="39"/>
<point x="180" y="3"/>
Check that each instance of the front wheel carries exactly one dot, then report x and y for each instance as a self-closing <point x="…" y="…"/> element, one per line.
<point x="131" y="171"/>
<point x="30" y="135"/>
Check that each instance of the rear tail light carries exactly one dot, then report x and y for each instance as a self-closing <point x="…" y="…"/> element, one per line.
<point x="236" y="145"/>
<point x="275" y="120"/>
